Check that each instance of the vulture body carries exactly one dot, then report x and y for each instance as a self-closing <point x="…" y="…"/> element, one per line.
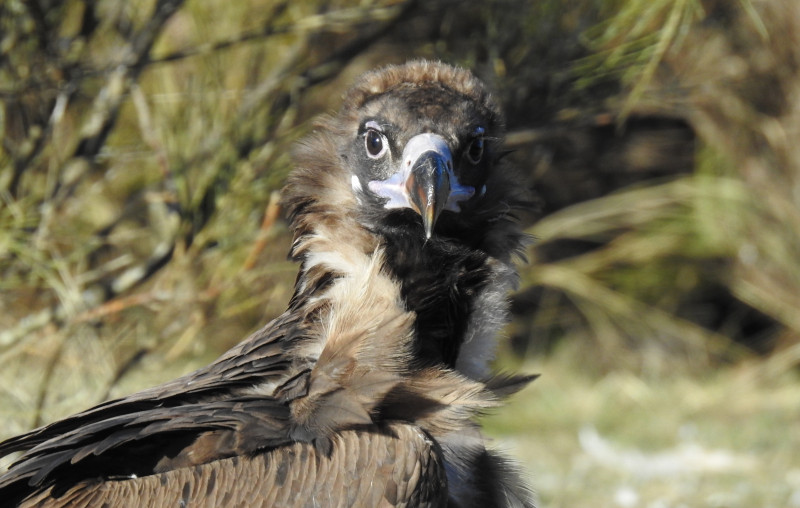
<point x="363" y="392"/>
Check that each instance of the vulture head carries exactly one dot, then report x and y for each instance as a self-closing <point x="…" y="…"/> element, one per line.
<point x="416" y="149"/>
<point x="423" y="142"/>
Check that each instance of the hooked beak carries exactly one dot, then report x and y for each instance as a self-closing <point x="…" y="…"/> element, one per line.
<point x="426" y="182"/>
<point x="428" y="186"/>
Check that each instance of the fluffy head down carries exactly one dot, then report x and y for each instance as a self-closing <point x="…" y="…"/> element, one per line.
<point x="423" y="73"/>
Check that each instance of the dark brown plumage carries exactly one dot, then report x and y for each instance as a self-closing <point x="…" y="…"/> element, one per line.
<point x="363" y="392"/>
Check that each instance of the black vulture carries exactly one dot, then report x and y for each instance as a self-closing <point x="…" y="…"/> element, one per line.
<point x="364" y="391"/>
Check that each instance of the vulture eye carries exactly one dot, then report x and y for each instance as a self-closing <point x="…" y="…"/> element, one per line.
<point x="374" y="142"/>
<point x="475" y="149"/>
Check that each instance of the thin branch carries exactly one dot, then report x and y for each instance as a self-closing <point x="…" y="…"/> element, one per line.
<point x="270" y="217"/>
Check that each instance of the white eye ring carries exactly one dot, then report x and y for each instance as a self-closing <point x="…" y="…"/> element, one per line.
<point x="375" y="142"/>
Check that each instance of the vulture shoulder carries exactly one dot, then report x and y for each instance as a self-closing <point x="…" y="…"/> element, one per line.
<point x="365" y="391"/>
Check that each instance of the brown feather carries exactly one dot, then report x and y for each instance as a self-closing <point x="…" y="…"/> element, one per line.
<point x="396" y="465"/>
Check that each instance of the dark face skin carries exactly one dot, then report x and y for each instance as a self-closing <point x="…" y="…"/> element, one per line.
<point x="388" y="155"/>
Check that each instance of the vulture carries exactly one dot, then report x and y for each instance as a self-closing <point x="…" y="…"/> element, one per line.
<point x="364" y="392"/>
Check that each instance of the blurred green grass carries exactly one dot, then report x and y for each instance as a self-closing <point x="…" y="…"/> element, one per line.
<point x="722" y="438"/>
<point x="138" y="238"/>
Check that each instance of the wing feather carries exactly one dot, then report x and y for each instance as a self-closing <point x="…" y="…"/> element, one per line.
<point x="394" y="465"/>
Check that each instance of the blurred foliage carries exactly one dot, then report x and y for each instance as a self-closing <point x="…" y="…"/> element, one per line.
<point x="713" y="438"/>
<point x="632" y="40"/>
<point x="670" y="264"/>
<point x="143" y="143"/>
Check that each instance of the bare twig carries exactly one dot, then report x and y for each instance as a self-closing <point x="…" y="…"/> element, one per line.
<point x="270" y="217"/>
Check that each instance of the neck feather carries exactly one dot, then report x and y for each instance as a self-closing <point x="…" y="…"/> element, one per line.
<point x="455" y="295"/>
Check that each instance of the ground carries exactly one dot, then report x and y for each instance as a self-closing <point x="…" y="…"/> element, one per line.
<point x="725" y="438"/>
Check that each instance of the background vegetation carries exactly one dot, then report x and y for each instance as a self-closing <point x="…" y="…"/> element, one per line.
<point x="143" y="143"/>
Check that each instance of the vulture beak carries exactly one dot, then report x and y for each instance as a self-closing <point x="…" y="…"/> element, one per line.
<point x="426" y="182"/>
